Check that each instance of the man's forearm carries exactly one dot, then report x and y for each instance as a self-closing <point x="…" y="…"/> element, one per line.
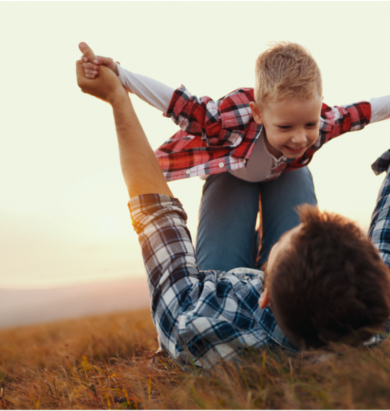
<point x="140" y="168"/>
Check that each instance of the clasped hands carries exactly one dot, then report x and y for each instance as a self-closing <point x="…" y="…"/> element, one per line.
<point x="106" y="86"/>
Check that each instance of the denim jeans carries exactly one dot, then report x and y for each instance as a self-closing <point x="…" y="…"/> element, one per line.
<point x="227" y="238"/>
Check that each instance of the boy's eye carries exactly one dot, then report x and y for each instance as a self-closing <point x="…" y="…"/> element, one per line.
<point x="284" y="127"/>
<point x="311" y="124"/>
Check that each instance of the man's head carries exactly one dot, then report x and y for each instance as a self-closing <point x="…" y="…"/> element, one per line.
<point x="325" y="282"/>
<point x="288" y="98"/>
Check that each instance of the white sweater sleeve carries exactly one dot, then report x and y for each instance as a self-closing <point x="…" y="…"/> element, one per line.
<point x="380" y="109"/>
<point x="152" y="91"/>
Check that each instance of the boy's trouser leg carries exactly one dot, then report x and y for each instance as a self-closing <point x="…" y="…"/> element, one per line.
<point x="379" y="230"/>
<point x="226" y="236"/>
<point x="279" y="199"/>
<point x="227" y="217"/>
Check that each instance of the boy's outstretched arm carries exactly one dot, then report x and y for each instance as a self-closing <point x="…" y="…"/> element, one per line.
<point x="196" y="116"/>
<point x="352" y="117"/>
<point x="140" y="168"/>
<point x="151" y="91"/>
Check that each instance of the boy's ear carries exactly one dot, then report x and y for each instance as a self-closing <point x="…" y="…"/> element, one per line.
<point x="256" y="112"/>
<point x="264" y="299"/>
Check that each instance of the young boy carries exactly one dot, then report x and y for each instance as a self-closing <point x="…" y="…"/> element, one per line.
<point x="255" y="135"/>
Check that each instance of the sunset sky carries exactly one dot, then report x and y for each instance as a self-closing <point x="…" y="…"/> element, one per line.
<point x="63" y="208"/>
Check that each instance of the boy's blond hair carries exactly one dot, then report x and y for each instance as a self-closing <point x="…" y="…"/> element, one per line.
<point x="286" y="70"/>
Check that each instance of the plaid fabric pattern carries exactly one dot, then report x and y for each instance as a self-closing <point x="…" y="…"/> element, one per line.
<point x="204" y="316"/>
<point x="379" y="230"/>
<point x="200" y="316"/>
<point x="219" y="136"/>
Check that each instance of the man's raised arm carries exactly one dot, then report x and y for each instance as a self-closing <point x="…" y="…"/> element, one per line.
<point x="140" y="168"/>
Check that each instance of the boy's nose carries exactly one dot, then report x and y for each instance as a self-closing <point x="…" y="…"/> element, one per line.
<point x="299" y="138"/>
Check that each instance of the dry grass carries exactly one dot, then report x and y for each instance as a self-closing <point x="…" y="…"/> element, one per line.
<point x="108" y="362"/>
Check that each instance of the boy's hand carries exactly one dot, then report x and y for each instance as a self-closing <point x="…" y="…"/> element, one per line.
<point x="91" y="62"/>
<point x="107" y="87"/>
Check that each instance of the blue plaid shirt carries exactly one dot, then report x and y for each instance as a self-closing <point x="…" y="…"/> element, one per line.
<point x="379" y="230"/>
<point x="199" y="315"/>
<point x="204" y="316"/>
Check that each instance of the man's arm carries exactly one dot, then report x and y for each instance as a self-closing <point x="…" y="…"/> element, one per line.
<point x="140" y="168"/>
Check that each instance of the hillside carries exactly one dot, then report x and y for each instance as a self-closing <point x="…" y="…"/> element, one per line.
<point x="33" y="306"/>
<point x="108" y="362"/>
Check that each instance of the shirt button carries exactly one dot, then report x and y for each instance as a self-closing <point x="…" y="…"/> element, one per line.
<point x="188" y="171"/>
<point x="220" y="165"/>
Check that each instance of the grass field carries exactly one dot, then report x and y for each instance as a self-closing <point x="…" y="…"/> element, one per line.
<point x="108" y="362"/>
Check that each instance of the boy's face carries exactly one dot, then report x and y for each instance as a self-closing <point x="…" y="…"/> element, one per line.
<point x="291" y="126"/>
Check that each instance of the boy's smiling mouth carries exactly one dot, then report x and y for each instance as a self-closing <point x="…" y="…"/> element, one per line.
<point x="294" y="150"/>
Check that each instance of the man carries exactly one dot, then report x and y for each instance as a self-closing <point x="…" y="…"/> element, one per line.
<point x="321" y="286"/>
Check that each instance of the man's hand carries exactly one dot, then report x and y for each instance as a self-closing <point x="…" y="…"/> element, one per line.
<point x="107" y="86"/>
<point x="91" y="62"/>
<point x="91" y="69"/>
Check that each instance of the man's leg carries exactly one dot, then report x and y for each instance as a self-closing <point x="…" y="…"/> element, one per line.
<point x="379" y="230"/>
<point x="279" y="198"/>
<point x="226" y="233"/>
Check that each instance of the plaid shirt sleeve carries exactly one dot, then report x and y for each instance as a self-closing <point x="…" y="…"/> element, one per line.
<point x="341" y="119"/>
<point x="170" y="262"/>
<point x="199" y="316"/>
<point x="218" y="123"/>
<point x="195" y="116"/>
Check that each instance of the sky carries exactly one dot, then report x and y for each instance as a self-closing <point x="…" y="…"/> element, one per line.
<point x="63" y="204"/>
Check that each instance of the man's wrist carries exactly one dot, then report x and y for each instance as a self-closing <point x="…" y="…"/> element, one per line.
<point x="118" y="98"/>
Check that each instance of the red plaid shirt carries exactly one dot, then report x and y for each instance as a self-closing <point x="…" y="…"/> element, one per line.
<point x="220" y="136"/>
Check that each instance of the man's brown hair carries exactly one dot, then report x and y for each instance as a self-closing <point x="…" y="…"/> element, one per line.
<point x="286" y="70"/>
<point x="330" y="284"/>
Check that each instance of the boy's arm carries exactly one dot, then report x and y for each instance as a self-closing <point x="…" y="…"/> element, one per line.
<point x="194" y="116"/>
<point x="380" y="109"/>
<point x="152" y="91"/>
<point x="342" y="119"/>
<point x="200" y="117"/>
